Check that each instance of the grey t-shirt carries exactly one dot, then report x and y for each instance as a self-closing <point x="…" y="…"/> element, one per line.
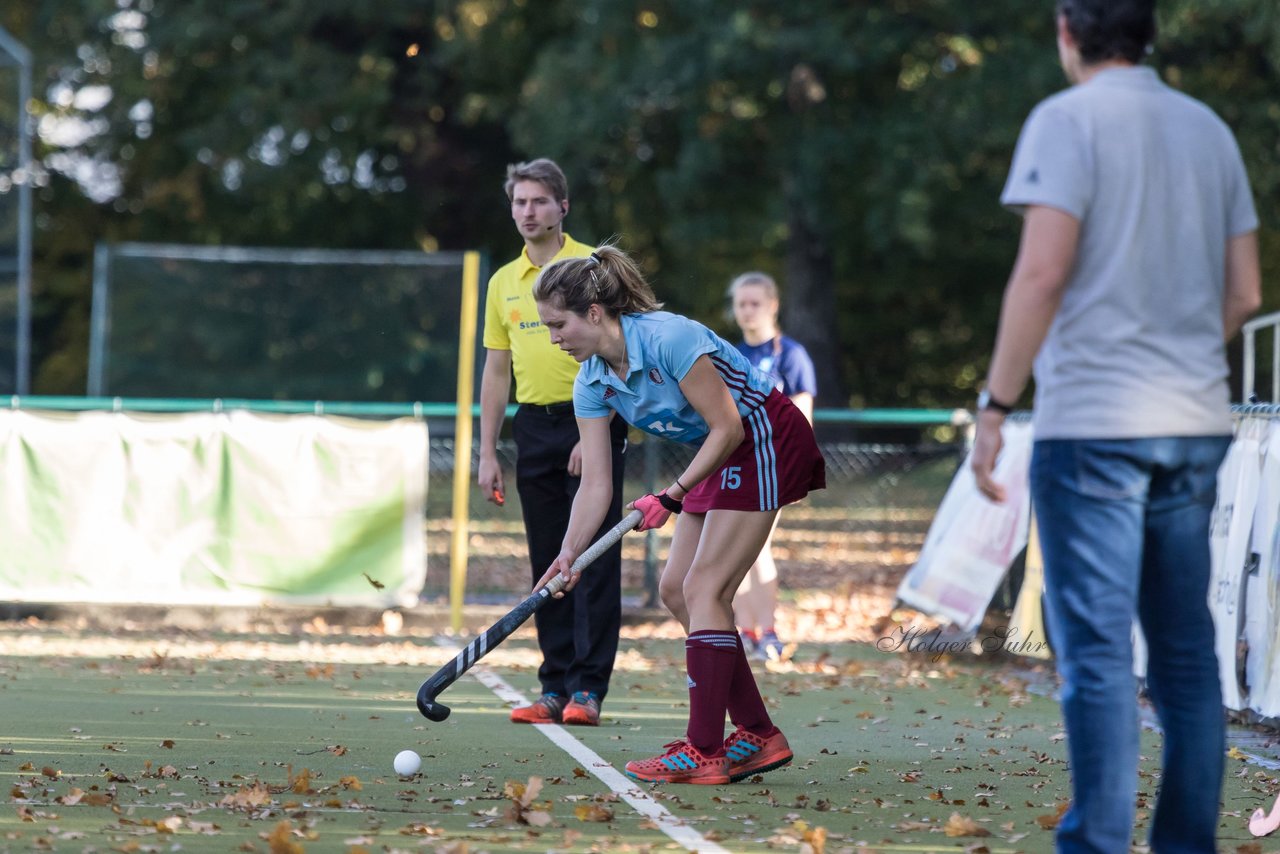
<point x="1157" y="183"/>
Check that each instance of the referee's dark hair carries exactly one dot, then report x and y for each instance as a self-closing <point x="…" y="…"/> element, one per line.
<point x="1110" y="29"/>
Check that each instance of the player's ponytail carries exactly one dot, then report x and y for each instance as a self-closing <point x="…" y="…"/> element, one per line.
<point x="607" y="277"/>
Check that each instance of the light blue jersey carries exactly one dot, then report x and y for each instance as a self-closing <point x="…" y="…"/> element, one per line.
<point x="661" y="348"/>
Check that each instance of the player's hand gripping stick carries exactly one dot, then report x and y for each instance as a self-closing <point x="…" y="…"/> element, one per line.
<point x="656" y="509"/>
<point x="499" y="631"/>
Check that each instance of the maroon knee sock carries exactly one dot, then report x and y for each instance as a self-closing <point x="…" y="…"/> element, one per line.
<point x="746" y="706"/>
<point x="709" y="658"/>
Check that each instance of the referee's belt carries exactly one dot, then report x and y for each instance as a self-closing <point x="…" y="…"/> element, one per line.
<point x="565" y="408"/>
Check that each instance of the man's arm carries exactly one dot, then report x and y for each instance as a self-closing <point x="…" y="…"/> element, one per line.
<point x="1046" y="256"/>
<point x="1242" y="292"/>
<point x="495" y="390"/>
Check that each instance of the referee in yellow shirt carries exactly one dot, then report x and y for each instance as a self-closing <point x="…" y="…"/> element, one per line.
<point x="578" y="635"/>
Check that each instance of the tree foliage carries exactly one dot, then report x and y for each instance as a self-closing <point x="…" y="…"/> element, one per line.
<point x="856" y="150"/>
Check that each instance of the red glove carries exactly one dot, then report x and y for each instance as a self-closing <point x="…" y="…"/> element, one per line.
<point x="656" y="510"/>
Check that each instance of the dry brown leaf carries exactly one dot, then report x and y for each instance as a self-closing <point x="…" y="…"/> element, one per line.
<point x="280" y="840"/>
<point x="1049" y="822"/>
<point x="593" y="812"/>
<point x="301" y="784"/>
<point x="417" y="828"/>
<point x="51" y="773"/>
<point x="247" y="797"/>
<point x="71" y="798"/>
<point x="959" y="825"/>
<point x="351" y="782"/>
<point x="537" y="818"/>
<point x="167" y="744"/>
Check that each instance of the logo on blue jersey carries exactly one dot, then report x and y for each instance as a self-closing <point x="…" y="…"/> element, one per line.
<point x="664" y="428"/>
<point x="655" y="376"/>
<point x="609" y="392"/>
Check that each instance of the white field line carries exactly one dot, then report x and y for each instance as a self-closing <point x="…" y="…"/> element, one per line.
<point x="620" y="785"/>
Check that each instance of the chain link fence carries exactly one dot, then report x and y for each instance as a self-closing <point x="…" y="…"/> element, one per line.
<point x="865" y="528"/>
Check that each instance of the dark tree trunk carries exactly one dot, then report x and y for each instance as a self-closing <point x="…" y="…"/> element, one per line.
<point x="808" y="304"/>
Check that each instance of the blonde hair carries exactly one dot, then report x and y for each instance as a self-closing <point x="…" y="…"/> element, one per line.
<point x="754" y="277"/>
<point x="607" y="278"/>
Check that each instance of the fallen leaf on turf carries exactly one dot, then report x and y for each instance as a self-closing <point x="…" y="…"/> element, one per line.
<point x="301" y="784"/>
<point x="417" y="828"/>
<point x="165" y="825"/>
<point x="593" y="812"/>
<point x="247" y="797"/>
<point x="578" y="774"/>
<point x="51" y="773"/>
<point x="959" y="825"/>
<point x="812" y="840"/>
<point x="352" y="783"/>
<point x="279" y="842"/>
<point x="1236" y="753"/>
<point x="1049" y="822"/>
<point x="71" y="798"/>
<point x="167" y="744"/>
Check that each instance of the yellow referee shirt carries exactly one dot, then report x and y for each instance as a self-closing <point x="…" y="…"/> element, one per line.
<point x="544" y="373"/>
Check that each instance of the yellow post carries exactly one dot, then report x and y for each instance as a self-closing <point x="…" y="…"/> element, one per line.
<point x="462" y="434"/>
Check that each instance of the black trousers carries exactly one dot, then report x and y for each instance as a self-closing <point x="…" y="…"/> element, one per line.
<point x="578" y="635"/>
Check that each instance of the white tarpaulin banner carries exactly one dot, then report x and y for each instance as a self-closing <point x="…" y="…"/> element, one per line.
<point x="211" y="508"/>
<point x="1229" y="545"/>
<point x="1262" y="585"/>
<point x="972" y="540"/>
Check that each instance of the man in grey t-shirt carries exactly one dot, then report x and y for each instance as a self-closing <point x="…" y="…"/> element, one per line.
<point x="1138" y="260"/>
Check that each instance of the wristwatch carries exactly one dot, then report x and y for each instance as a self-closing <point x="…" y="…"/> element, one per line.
<point x="986" y="401"/>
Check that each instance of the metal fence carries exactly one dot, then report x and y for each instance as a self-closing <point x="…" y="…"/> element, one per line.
<point x="867" y="526"/>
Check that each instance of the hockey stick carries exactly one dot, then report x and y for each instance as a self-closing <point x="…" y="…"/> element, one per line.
<point x="498" y="632"/>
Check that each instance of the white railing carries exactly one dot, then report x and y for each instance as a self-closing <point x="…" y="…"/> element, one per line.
<point x="1250" y="330"/>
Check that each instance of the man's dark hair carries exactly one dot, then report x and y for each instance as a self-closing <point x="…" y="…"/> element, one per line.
<point x="1110" y="29"/>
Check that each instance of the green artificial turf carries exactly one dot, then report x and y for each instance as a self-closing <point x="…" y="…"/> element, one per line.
<point x="284" y="743"/>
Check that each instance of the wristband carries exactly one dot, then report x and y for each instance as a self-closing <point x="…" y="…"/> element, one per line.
<point x="670" y="503"/>
<point x="986" y="401"/>
<point x="683" y="488"/>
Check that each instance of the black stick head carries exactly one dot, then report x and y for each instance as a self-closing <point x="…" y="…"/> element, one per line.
<point x="432" y="710"/>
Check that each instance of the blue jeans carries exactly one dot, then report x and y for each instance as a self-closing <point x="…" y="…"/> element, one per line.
<point x="1124" y="529"/>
